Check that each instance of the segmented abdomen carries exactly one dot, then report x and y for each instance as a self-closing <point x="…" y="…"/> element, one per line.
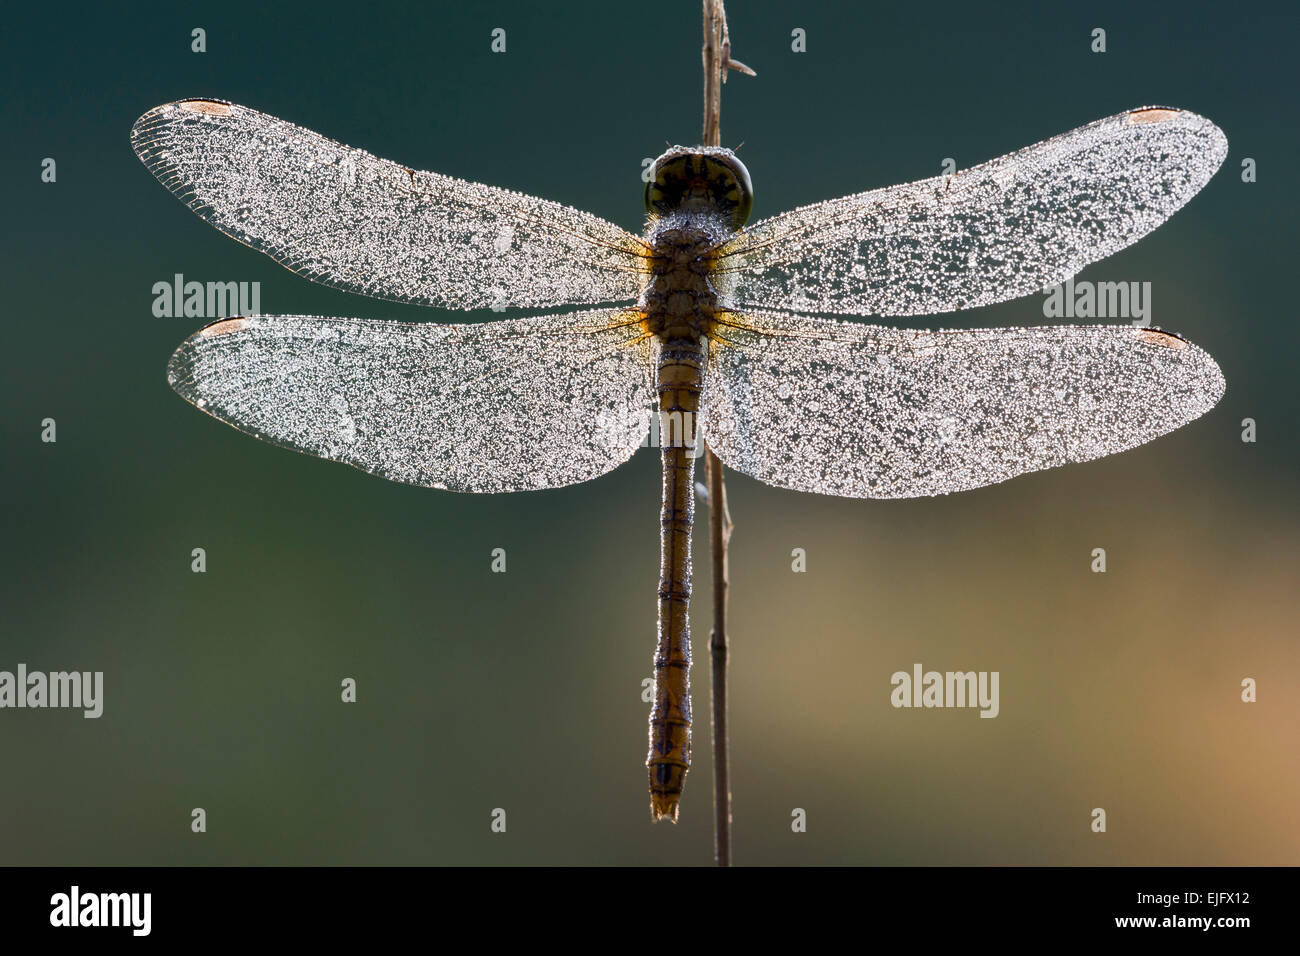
<point x="679" y="376"/>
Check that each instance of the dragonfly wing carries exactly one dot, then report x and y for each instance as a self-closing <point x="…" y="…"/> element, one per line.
<point x="1011" y="226"/>
<point x="501" y="406"/>
<point x="862" y="411"/>
<point x="348" y="219"/>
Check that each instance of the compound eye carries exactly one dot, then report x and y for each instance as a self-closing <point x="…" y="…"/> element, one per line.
<point x="666" y="186"/>
<point x="743" y="208"/>
<point x="652" y="195"/>
<point x="745" y="201"/>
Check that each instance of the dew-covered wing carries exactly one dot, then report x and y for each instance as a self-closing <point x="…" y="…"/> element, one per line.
<point x="348" y="219"/>
<point x="841" y="408"/>
<point x="1003" y="229"/>
<point x="500" y="406"/>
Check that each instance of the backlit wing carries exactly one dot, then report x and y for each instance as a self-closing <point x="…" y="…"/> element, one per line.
<point x="1003" y="229"/>
<point x="501" y="406"/>
<point x="863" y="411"/>
<point x="348" y="219"/>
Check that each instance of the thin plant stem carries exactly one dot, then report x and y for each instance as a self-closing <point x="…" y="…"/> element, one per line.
<point x="717" y="61"/>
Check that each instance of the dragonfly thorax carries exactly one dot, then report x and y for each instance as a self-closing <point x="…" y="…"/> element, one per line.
<point x="679" y="297"/>
<point x="706" y="179"/>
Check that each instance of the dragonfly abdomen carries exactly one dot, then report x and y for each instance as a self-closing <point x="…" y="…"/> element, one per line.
<point x="679" y="375"/>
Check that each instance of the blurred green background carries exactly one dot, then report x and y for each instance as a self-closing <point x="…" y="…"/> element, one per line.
<point x="523" y="690"/>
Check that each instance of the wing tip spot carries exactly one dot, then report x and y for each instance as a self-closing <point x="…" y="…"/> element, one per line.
<point x="1150" y="114"/>
<point x="206" y="107"/>
<point x="1165" y="339"/>
<point x="224" y="327"/>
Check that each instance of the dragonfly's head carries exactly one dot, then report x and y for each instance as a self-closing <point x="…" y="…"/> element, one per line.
<point x="702" y="179"/>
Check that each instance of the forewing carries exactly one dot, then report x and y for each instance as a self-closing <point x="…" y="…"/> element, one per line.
<point x="863" y="411"/>
<point x="1003" y="229"/>
<point x="501" y="406"/>
<point x="348" y="219"/>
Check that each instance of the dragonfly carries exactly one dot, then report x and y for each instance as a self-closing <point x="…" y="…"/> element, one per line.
<point x="719" y="331"/>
